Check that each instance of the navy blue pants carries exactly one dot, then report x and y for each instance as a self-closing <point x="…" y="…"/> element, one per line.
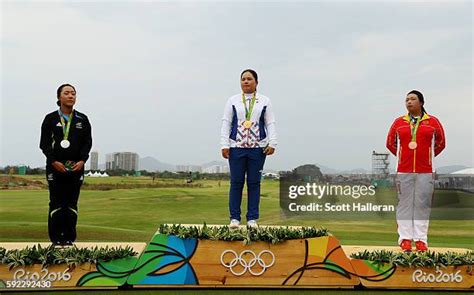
<point x="245" y="161"/>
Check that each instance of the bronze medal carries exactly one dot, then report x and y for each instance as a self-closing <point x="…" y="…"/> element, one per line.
<point x="412" y="145"/>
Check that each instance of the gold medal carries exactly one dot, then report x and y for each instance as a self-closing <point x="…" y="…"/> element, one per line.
<point x="248" y="112"/>
<point x="247" y="124"/>
<point x="412" y="145"/>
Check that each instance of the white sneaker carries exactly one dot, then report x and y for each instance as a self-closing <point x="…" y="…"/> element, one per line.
<point x="252" y="223"/>
<point x="234" y="223"/>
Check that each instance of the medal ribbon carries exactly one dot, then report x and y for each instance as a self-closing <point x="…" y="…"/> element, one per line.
<point x="248" y="112"/>
<point x="414" y="129"/>
<point x="65" y="126"/>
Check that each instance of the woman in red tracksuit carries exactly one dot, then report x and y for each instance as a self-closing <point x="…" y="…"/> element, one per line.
<point x="415" y="137"/>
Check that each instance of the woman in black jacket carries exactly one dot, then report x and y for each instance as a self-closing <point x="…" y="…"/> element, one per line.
<point x="66" y="142"/>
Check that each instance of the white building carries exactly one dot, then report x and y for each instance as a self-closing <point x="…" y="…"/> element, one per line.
<point x="124" y="160"/>
<point x="189" y="168"/>
<point x="216" y="169"/>
<point x="94" y="161"/>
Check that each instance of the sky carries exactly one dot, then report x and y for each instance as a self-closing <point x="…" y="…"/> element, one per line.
<point x="153" y="77"/>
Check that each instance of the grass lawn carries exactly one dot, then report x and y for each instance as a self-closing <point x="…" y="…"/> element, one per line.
<point x="134" y="214"/>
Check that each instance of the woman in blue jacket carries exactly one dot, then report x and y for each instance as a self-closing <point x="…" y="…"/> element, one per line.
<point x="248" y="135"/>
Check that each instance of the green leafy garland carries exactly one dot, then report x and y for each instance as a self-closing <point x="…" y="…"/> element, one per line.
<point x="72" y="256"/>
<point x="416" y="259"/>
<point x="272" y="235"/>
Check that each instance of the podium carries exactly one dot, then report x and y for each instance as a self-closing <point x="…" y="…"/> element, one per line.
<point x="181" y="260"/>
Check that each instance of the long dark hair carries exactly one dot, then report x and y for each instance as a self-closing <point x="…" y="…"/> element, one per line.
<point x="58" y="92"/>
<point x="421" y="98"/>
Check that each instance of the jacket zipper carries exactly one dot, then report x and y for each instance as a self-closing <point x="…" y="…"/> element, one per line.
<point x="430" y="156"/>
<point x="414" y="160"/>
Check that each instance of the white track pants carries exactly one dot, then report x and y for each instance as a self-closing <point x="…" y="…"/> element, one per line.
<point x="415" y="194"/>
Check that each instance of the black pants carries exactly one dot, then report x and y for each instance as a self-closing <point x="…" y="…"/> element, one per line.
<point x="64" y="189"/>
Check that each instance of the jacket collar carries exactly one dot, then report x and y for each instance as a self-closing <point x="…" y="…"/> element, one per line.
<point x="424" y="117"/>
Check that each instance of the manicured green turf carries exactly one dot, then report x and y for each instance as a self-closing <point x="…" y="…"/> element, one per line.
<point x="134" y="214"/>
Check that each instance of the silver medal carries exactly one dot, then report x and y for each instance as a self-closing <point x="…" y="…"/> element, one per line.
<point x="65" y="143"/>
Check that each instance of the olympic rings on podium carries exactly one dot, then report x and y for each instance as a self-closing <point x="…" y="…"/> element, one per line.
<point x="247" y="266"/>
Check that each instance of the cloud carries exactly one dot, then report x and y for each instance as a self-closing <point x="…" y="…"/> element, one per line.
<point x="154" y="76"/>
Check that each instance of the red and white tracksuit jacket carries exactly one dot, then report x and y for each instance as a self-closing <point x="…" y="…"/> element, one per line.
<point x="419" y="159"/>
<point x="415" y="179"/>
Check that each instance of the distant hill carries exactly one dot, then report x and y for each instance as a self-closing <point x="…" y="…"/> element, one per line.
<point x="151" y="164"/>
<point x="327" y="170"/>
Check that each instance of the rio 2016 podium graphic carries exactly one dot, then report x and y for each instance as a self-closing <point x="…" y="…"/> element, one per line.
<point x="216" y="256"/>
